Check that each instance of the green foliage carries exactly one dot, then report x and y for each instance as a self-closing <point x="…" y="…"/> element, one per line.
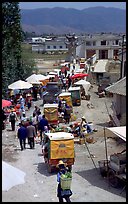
<point x="14" y="66"/>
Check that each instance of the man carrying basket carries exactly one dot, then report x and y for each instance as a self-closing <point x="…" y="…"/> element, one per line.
<point x="63" y="191"/>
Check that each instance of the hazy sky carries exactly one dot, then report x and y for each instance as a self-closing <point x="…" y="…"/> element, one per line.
<point x="76" y="5"/>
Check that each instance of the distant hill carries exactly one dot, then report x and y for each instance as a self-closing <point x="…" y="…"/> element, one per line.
<point x="61" y="20"/>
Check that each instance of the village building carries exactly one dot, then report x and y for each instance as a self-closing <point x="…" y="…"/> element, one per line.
<point x="118" y="90"/>
<point x="43" y="45"/>
<point x="105" y="46"/>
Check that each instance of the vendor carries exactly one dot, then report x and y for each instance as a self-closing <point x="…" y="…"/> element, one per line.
<point x="84" y="124"/>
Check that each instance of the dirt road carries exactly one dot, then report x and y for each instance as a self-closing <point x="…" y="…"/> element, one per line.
<point x="87" y="183"/>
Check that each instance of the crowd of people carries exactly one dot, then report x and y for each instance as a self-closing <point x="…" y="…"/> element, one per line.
<point x="31" y="127"/>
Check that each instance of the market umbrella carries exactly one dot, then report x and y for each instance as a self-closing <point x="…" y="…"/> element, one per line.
<point x="6" y="103"/>
<point x="20" y="85"/>
<point x="34" y="79"/>
<point x="85" y="84"/>
<point x="79" y="75"/>
<point x="81" y="82"/>
<point x="11" y="176"/>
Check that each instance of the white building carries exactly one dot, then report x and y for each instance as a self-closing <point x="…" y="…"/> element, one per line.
<point x="48" y="44"/>
<point x="105" y="46"/>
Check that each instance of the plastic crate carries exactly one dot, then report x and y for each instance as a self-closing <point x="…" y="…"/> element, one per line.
<point x="66" y="183"/>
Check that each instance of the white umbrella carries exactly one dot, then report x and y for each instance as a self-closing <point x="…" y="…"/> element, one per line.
<point x="50" y="76"/>
<point x="20" y="85"/>
<point x="81" y="82"/>
<point x="41" y="77"/>
<point x="11" y="176"/>
<point x="33" y="78"/>
<point x="85" y="84"/>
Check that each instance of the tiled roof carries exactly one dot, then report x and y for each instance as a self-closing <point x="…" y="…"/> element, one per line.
<point x="118" y="88"/>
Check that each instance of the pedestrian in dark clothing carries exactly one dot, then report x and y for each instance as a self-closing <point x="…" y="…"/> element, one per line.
<point x="31" y="135"/>
<point x="12" y="119"/>
<point x="69" y="81"/>
<point x="65" y="72"/>
<point x="62" y="170"/>
<point x="36" y="110"/>
<point x="43" y="122"/>
<point x="59" y="106"/>
<point x="22" y="135"/>
<point x="67" y="115"/>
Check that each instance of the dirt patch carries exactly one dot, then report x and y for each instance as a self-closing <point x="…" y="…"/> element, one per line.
<point x="8" y="154"/>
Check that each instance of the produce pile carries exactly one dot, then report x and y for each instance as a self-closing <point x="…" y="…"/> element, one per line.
<point x="66" y="175"/>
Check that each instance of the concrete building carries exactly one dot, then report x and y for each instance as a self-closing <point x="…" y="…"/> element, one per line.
<point x="48" y="44"/>
<point x="105" y="46"/>
<point x="118" y="90"/>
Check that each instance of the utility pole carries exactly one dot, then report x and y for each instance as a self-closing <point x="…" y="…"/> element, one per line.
<point x="122" y="57"/>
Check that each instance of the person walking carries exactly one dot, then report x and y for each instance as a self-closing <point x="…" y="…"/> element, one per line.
<point x="69" y="81"/>
<point x="21" y="112"/>
<point x="31" y="133"/>
<point x="22" y="102"/>
<point x="67" y="113"/>
<point x="12" y="119"/>
<point x="43" y="124"/>
<point x="35" y="122"/>
<point x="22" y="135"/>
<point x="62" y="170"/>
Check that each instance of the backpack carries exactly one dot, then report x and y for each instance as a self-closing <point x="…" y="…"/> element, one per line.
<point x="12" y="117"/>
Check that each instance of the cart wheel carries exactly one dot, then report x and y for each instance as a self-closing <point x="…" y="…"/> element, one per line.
<point x="49" y="168"/>
<point x="113" y="180"/>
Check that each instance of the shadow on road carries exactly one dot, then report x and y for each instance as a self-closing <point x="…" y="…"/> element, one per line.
<point x="43" y="169"/>
<point x="102" y="124"/>
<point x="94" y="177"/>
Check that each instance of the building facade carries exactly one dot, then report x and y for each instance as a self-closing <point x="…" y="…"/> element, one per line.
<point x="48" y="45"/>
<point x="105" y="46"/>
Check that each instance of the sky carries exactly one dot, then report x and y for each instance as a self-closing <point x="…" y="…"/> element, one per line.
<point x="75" y="5"/>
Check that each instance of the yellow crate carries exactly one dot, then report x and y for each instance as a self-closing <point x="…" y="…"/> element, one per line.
<point x="65" y="183"/>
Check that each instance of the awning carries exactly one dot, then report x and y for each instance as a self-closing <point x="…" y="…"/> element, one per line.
<point x="119" y="131"/>
<point x="100" y="66"/>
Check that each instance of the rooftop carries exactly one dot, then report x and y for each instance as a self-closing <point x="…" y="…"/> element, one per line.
<point x="118" y="88"/>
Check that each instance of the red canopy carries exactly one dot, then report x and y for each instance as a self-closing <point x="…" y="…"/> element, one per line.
<point x="79" y="75"/>
<point x="6" y="103"/>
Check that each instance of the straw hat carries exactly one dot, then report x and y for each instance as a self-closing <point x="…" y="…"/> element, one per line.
<point x="61" y="163"/>
<point x="83" y="117"/>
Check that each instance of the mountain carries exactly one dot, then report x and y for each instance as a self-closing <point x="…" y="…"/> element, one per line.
<point x="60" y="20"/>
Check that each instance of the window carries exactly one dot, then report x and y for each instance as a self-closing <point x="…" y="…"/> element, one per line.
<point x="117" y="42"/>
<point x="103" y="42"/>
<point x="88" y="43"/>
<point x="54" y="47"/>
<point x="94" y="43"/>
<point x="48" y="47"/>
<point x="61" y="46"/>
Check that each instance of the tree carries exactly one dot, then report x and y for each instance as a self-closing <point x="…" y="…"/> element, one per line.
<point x="11" y="44"/>
<point x="13" y="66"/>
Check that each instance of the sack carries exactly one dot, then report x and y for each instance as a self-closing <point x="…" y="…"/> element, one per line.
<point x="12" y="117"/>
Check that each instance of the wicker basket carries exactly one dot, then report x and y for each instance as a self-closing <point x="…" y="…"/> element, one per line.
<point x="66" y="183"/>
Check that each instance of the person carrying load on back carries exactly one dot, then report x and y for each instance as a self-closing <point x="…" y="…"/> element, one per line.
<point x="60" y="192"/>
